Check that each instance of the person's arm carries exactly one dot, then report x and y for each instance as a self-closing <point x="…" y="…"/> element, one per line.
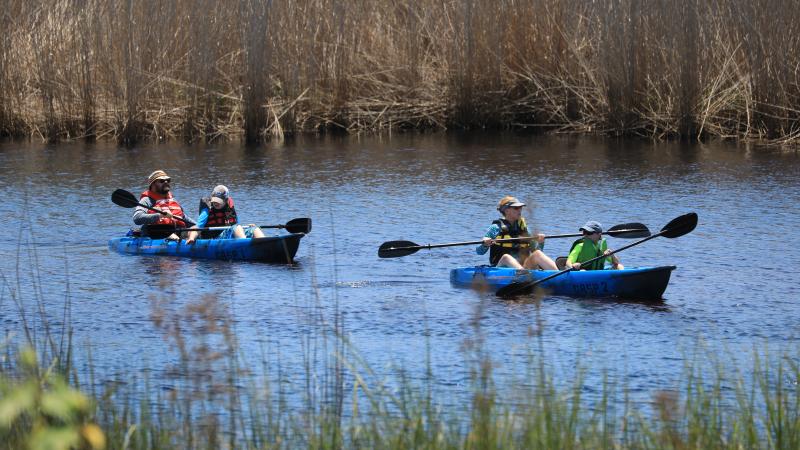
<point x="185" y="216"/>
<point x="201" y="223"/>
<point x="573" y="257"/>
<point x="488" y="239"/>
<point x="538" y="243"/>
<point x="611" y="258"/>
<point x="144" y="216"/>
<point x="615" y="261"/>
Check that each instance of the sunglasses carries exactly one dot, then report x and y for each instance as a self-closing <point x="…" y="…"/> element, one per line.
<point x="167" y="180"/>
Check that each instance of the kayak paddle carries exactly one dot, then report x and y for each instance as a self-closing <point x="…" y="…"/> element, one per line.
<point x="299" y="225"/>
<point x="677" y="227"/>
<point x="125" y="199"/>
<point x="396" y="249"/>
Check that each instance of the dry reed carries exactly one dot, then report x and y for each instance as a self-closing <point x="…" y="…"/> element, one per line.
<point x="262" y="69"/>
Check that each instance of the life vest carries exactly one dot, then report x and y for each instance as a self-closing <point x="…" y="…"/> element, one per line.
<point x="219" y="217"/>
<point x="509" y="230"/>
<point x="166" y="202"/>
<point x="588" y="251"/>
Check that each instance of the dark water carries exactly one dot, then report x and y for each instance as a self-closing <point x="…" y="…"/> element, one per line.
<point x="735" y="289"/>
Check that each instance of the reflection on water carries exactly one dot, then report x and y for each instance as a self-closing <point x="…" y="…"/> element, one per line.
<point x="731" y="287"/>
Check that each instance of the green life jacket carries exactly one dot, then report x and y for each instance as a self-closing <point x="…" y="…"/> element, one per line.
<point x="584" y="249"/>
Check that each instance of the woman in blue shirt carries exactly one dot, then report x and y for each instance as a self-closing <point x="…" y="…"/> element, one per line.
<point x="218" y="211"/>
<point x="522" y="254"/>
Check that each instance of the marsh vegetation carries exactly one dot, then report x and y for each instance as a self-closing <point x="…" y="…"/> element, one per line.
<point x="257" y="69"/>
<point x="213" y="400"/>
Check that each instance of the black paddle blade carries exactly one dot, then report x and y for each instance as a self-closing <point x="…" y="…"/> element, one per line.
<point x="124" y="198"/>
<point x="158" y="231"/>
<point x="679" y="226"/>
<point x="396" y="249"/>
<point x="301" y="225"/>
<point x="633" y="230"/>
<point x="514" y="289"/>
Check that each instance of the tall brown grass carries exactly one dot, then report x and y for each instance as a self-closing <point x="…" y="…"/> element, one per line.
<point x="263" y="69"/>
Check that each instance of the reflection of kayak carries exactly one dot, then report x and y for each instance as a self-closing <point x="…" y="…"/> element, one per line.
<point x="277" y="249"/>
<point x="640" y="283"/>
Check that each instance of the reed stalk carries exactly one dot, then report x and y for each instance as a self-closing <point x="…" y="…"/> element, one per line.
<point x="202" y="70"/>
<point x="214" y="401"/>
<point x="210" y="397"/>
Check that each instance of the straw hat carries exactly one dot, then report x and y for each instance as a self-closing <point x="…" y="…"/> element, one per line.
<point x="157" y="175"/>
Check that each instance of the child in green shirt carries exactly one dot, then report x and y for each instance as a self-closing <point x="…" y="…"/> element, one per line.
<point x="591" y="245"/>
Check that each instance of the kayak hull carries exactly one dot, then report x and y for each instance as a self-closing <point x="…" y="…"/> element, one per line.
<point x="274" y="249"/>
<point x="643" y="283"/>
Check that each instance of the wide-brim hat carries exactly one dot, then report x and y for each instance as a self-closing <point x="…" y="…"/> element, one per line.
<point x="157" y="175"/>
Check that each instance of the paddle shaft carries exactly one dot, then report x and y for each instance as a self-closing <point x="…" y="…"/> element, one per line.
<point x="299" y="225"/>
<point x="500" y="241"/>
<point x="182" y="219"/>
<point x="455" y="244"/>
<point x="125" y="199"/>
<point x="677" y="227"/>
<point x="225" y="228"/>
<point x="596" y="258"/>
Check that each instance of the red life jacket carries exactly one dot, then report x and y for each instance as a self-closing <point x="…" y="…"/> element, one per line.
<point x="219" y="217"/>
<point x="166" y="202"/>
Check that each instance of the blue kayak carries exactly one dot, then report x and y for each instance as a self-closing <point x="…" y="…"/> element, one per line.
<point x="276" y="249"/>
<point x="643" y="283"/>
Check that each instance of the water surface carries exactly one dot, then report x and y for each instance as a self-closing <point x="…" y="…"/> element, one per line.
<point x="734" y="290"/>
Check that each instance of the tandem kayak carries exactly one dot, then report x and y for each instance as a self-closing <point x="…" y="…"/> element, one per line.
<point x="644" y="283"/>
<point x="274" y="249"/>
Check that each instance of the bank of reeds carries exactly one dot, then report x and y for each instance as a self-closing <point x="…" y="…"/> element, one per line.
<point x="38" y="409"/>
<point x="213" y="401"/>
<point x="263" y="69"/>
